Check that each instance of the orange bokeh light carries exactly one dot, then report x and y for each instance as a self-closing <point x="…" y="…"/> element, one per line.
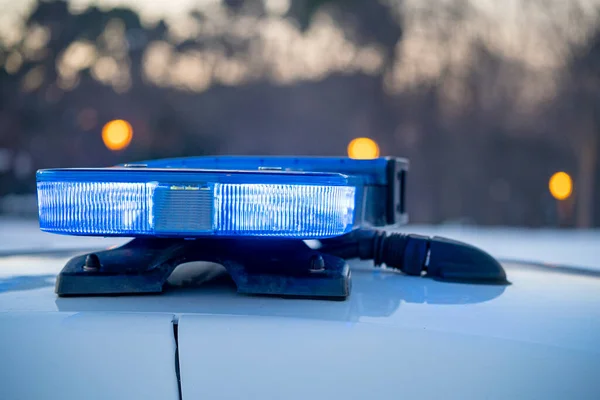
<point x="117" y="134"/>
<point x="363" y="149"/>
<point x="561" y="186"/>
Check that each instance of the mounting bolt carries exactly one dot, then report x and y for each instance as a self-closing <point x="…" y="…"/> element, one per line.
<point x="317" y="263"/>
<point x="92" y="263"/>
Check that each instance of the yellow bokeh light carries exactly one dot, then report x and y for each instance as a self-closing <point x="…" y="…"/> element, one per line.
<point x="561" y="186"/>
<point x="117" y="134"/>
<point x="363" y="149"/>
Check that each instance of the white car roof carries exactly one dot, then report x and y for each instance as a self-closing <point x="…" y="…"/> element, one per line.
<point x="395" y="337"/>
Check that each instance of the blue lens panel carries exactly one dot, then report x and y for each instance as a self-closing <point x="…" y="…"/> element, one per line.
<point x="194" y="206"/>
<point x="301" y="211"/>
<point x="92" y="208"/>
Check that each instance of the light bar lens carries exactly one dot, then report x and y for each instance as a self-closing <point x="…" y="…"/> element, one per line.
<point x="189" y="210"/>
<point x="283" y="210"/>
<point x="91" y="208"/>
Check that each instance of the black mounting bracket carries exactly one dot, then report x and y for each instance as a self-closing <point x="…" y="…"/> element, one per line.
<point x="281" y="267"/>
<point x="257" y="266"/>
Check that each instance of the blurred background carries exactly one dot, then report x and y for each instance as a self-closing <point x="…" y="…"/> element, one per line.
<point x="495" y="103"/>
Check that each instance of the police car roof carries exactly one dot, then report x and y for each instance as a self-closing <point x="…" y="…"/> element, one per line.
<point x="395" y="336"/>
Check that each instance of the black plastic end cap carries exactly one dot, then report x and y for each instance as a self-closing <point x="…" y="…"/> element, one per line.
<point x="456" y="261"/>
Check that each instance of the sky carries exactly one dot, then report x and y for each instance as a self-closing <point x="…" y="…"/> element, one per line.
<point x="519" y="29"/>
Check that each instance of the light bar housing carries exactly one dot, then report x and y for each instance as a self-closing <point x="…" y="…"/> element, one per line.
<point x="383" y="180"/>
<point x="300" y="197"/>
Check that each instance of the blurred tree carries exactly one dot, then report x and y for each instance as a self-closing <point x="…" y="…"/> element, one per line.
<point x="364" y="22"/>
<point x="581" y="97"/>
<point x="306" y="77"/>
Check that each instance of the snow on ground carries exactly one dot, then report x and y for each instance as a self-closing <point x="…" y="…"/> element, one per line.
<point x="559" y="247"/>
<point x="19" y="235"/>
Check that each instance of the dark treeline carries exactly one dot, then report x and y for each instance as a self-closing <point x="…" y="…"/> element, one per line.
<point x="482" y="142"/>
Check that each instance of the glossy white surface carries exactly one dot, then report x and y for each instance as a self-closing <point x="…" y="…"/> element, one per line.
<point x="395" y="337"/>
<point x="408" y="337"/>
<point x="274" y="358"/>
<point x="87" y="356"/>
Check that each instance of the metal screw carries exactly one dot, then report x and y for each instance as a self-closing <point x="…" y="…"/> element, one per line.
<point x="92" y="263"/>
<point x="317" y="263"/>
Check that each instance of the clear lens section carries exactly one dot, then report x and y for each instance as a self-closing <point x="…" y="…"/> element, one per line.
<point x="283" y="210"/>
<point x="92" y="208"/>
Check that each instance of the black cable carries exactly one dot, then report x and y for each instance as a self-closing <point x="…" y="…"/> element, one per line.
<point x="417" y="255"/>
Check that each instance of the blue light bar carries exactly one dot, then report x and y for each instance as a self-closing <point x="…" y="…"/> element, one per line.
<point x="170" y="202"/>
